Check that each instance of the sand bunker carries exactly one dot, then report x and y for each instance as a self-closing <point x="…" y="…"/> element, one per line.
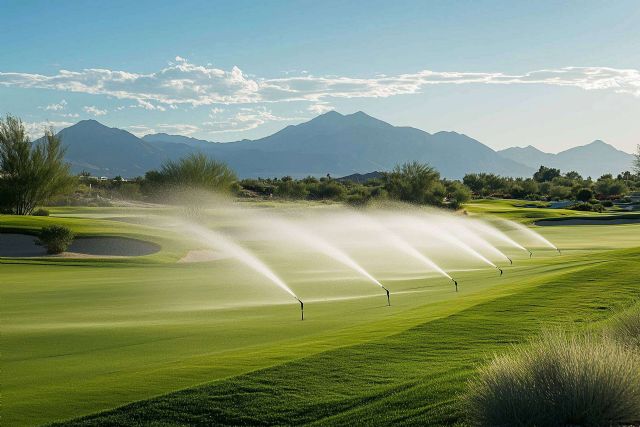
<point x="23" y="245"/>
<point x="589" y="221"/>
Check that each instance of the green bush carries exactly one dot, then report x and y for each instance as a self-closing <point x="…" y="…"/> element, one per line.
<point x="55" y="238"/>
<point x="40" y="212"/>
<point x="557" y="381"/>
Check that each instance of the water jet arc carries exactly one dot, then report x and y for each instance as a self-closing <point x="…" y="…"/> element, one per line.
<point x="215" y="239"/>
<point x="322" y="245"/>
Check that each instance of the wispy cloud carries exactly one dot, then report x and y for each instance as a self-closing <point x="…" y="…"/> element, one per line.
<point x="55" y="107"/>
<point x="183" y="82"/>
<point x="243" y="120"/>
<point x="93" y="110"/>
<point x="37" y="129"/>
<point x="319" y="108"/>
<point x="140" y="130"/>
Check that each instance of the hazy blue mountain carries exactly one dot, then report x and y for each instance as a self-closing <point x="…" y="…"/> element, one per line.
<point x="528" y="155"/>
<point x="330" y="143"/>
<point x="361" y="177"/>
<point x="356" y="143"/>
<point x="594" y="159"/>
<point x="102" y="150"/>
<point x="164" y="139"/>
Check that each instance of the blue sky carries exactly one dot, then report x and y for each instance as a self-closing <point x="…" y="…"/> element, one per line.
<point x="550" y="74"/>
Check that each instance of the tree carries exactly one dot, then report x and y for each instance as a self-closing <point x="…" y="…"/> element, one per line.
<point x="574" y="176"/>
<point x="30" y="173"/>
<point x="546" y="174"/>
<point x="457" y="194"/>
<point x="636" y="161"/>
<point x="416" y="183"/>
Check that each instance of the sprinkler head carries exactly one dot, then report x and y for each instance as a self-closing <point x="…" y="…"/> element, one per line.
<point x="500" y="271"/>
<point x="530" y="254"/>
<point x="455" y="282"/>
<point x="301" y="309"/>
<point x="388" y="296"/>
<point x="510" y="261"/>
<point x="558" y="249"/>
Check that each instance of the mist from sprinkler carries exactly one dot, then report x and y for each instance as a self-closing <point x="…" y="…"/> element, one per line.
<point x="404" y="246"/>
<point x="219" y="241"/>
<point x="532" y="234"/>
<point x="500" y="235"/>
<point x="335" y="232"/>
<point x="467" y="232"/>
<point x="323" y="246"/>
<point x="442" y="234"/>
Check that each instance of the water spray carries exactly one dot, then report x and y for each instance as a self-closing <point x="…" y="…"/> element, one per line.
<point x="244" y="255"/>
<point x="327" y="248"/>
<point x="529" y="232"/>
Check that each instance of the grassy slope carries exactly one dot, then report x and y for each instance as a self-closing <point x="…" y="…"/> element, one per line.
<point x="78" y="341"/>
<point x="408" y="378"/>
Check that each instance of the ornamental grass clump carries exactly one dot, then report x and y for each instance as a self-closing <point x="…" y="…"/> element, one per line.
<point x="557" y="381"/>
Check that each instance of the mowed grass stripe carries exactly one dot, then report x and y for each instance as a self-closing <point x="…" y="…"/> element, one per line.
<point x="409" y="378"/>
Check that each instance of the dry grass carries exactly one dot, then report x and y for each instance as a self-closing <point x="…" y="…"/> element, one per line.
<point x="559" y="380"/>
<point x="625" y="327"/>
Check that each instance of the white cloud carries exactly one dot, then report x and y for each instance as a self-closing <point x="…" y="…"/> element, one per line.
<point x="92" y="109"/>
<point x="140" y="130"/>
<point x="185" y="83"/>
<point x="149" y="106"/>
<point x="319" y="108"/>
<point x="70" y="115"/>
<point x="178" y="128"/>
<point x="215" y="111"/>
<point x="36" y="129"/>
<point x="243" y="120"/>
<point x="56" y="107"/>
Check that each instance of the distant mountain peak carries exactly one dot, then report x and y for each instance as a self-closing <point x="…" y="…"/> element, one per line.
<point x="593" y="159"/>
<point x="89" y="122"/>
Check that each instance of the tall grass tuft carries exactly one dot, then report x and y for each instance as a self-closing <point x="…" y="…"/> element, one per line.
<point x="624" y="327"/>
<point x="559" y="380"/>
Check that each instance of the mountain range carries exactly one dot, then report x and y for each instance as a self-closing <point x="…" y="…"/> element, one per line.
<point x="331" y="143"/>
<point x="594" y="159"/>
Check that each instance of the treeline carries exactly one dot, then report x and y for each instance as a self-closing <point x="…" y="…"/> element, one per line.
<point x="549" y="184"/>
<point x="410" y="182"/>
<point x="33" y="174"/>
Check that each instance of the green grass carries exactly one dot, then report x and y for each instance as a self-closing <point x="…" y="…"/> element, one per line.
<point x="82" y="336"/>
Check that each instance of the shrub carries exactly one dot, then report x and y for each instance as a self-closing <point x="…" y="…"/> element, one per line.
<point x="40" y="212"/>
<point x="55" y="238"/>
<point x="584" y="195"/>
<point x="559" y="380"/>
<point x="587" y="207"/>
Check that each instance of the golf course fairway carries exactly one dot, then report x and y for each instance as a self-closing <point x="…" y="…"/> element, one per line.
<point x="149" y="340"/>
